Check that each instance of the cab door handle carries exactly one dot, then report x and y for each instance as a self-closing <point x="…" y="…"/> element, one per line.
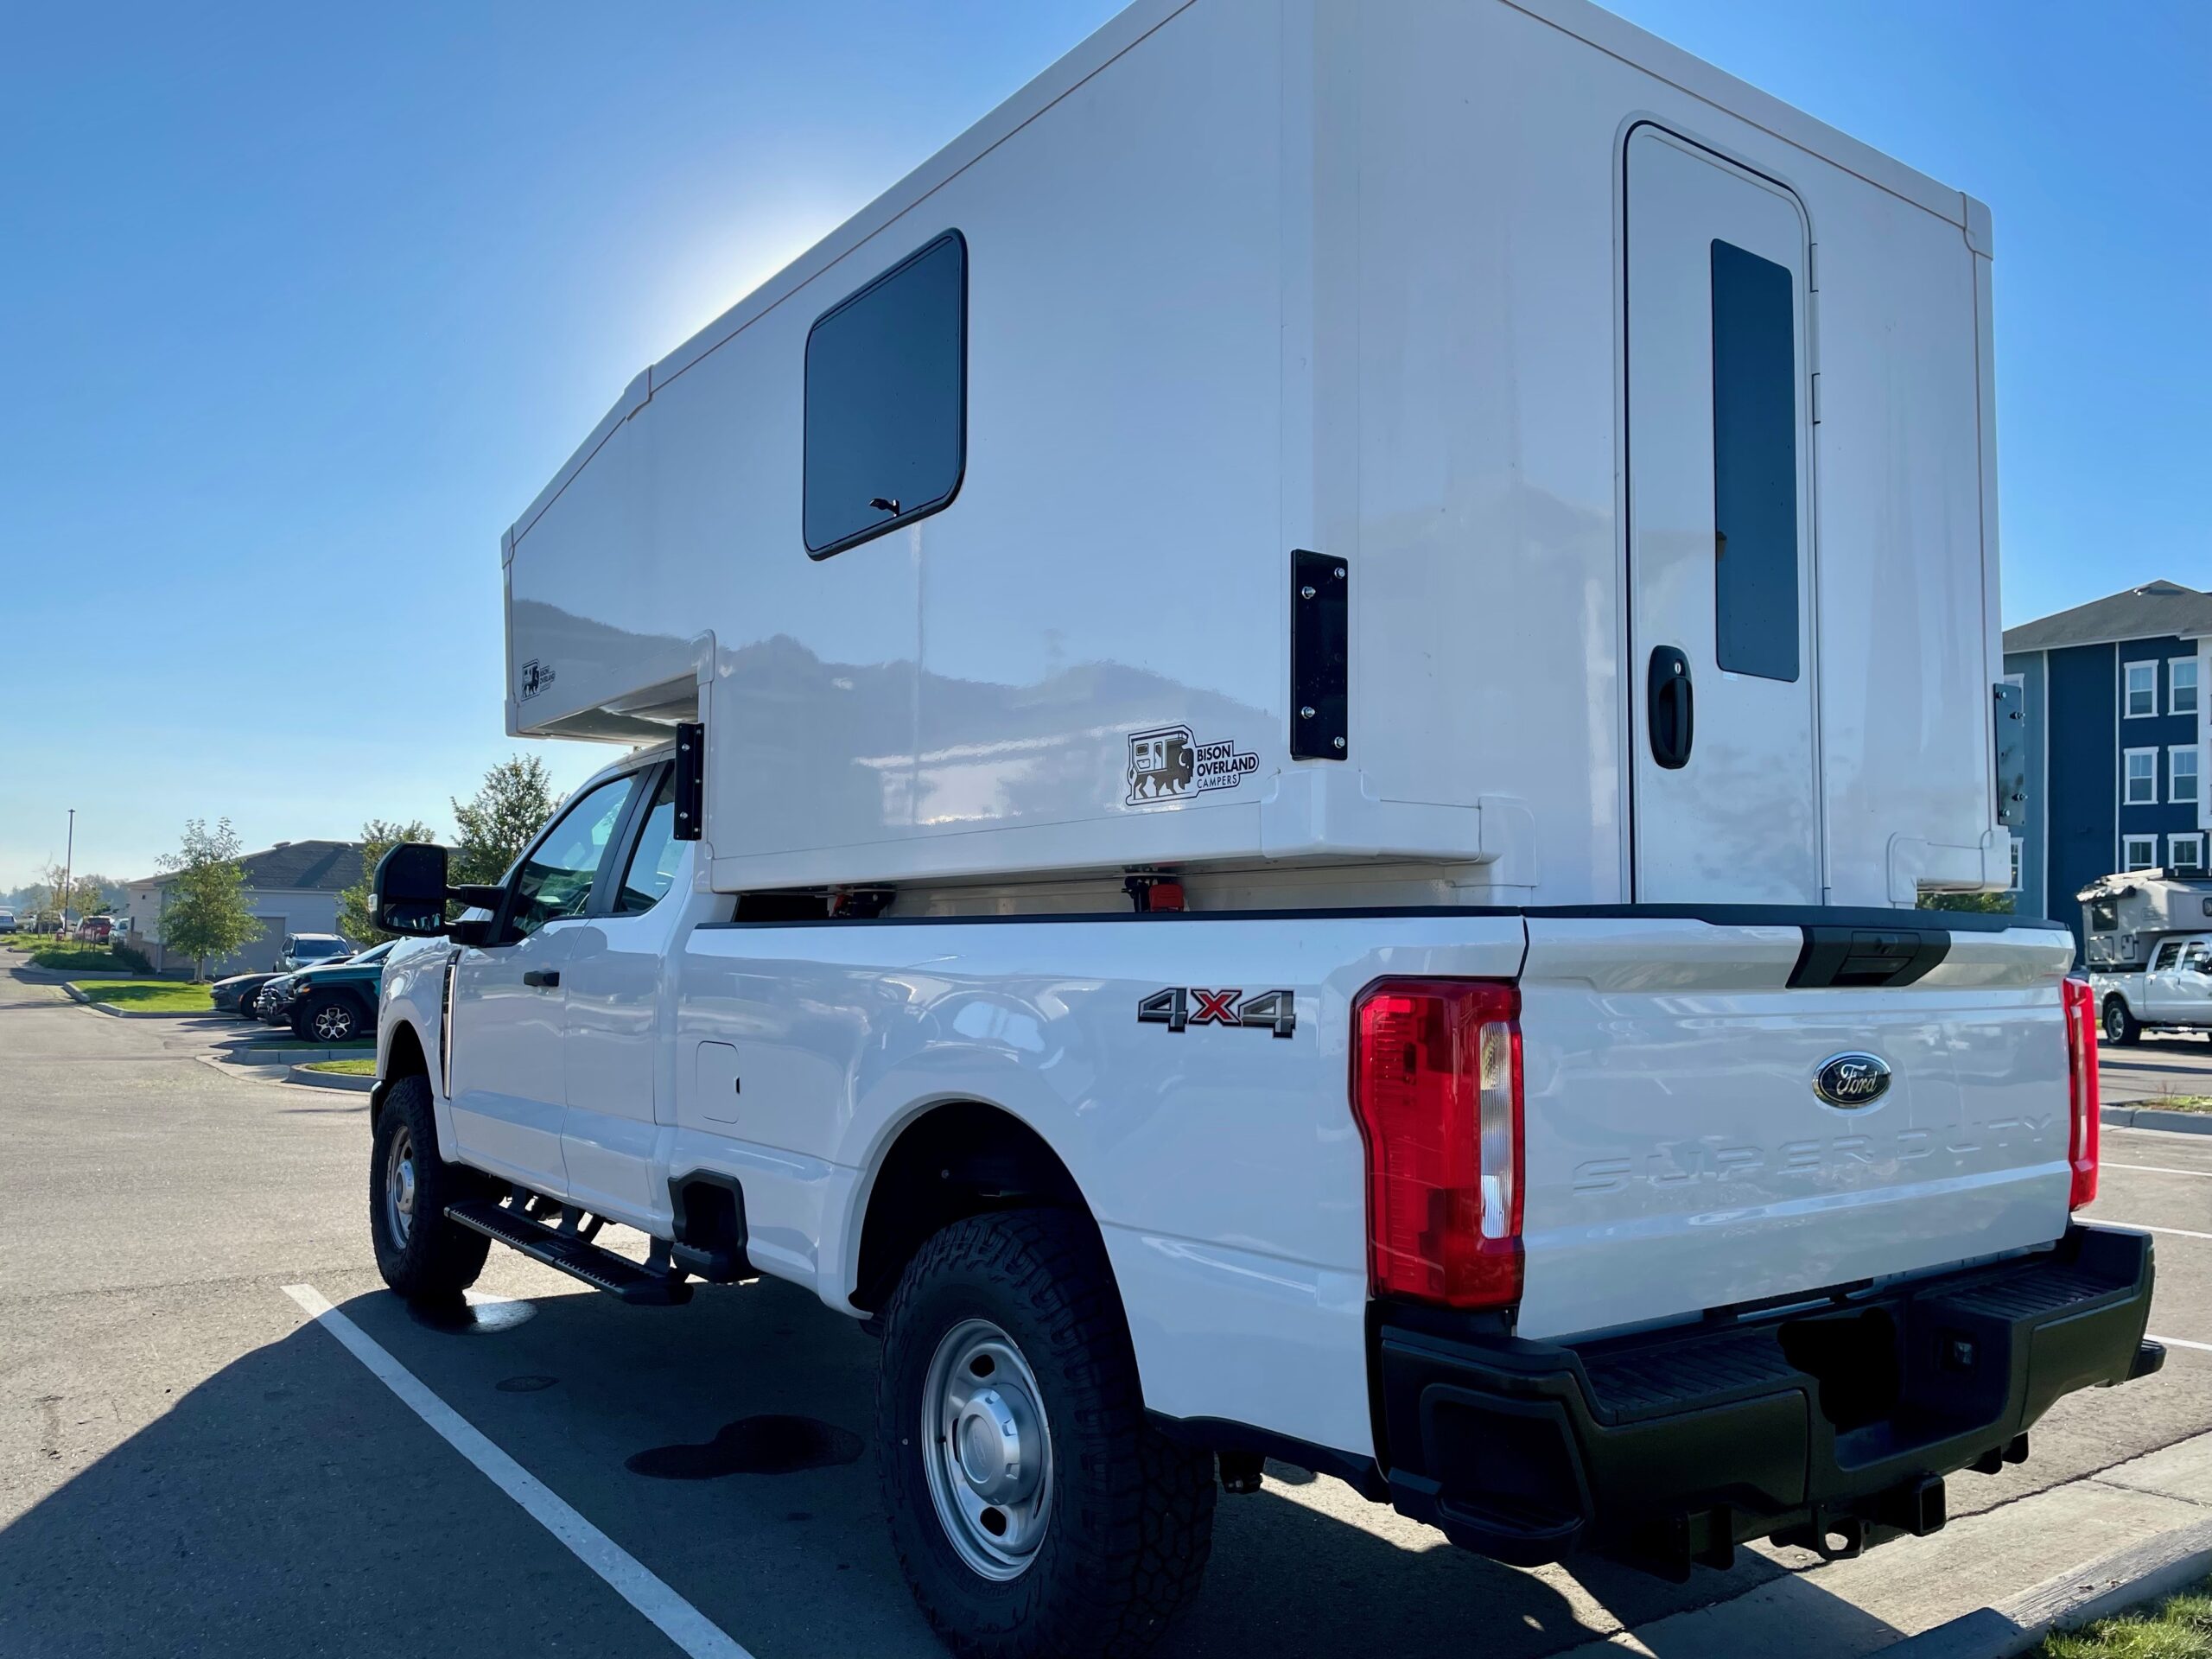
<point x="548" y="977"/>
<point x="1670" y="706"/>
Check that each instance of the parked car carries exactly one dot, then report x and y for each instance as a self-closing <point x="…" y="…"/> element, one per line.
<point x="236" y="995"/>
<point x="6" y="920"/>
<point x="96" y="930"/>
<point x="272" y="1004"/>
<point x="337" y="1002"/>
<point x="305" y="949"/>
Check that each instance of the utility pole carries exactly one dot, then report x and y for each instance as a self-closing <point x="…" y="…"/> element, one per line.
<point x="68" y="869"/>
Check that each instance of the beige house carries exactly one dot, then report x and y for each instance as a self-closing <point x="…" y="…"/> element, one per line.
<point x="291" y="887"/>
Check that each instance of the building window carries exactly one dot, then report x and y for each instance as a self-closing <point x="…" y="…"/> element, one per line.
<point x="2140" y="781"/>
<point x="2185" y="853"/>
<point x="2139" y="853"/>
<point x="2141" y="700"/>
<point x="2180" y="772"/>
<point x="2180" y="685"/>
<point x="1754" y="464"/>
<point x="887" y="401"/>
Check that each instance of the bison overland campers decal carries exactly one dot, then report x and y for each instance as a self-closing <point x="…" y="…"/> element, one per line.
<point x="1180" y="1006"/>
<point x="536" y="676"/>
<point x="1167" y="764"/>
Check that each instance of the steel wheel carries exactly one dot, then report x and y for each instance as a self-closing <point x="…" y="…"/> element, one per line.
<point x="986" y="1449"/>
<point x="333" y="1022"/>
<point x="399" y="1188"/>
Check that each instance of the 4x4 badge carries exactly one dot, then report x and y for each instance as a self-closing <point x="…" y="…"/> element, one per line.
<point x="1180" y="1006"/>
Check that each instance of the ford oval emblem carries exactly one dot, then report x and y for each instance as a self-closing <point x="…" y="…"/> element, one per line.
<point x="1851" y="1080"/>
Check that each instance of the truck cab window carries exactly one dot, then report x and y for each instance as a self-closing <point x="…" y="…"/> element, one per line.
<point x="2197" y="959"/>
<point x="886" y="400"/>
<point x="654" y="860"/>
<point x="2164" y="959"/>
<point x="554" y="878"/>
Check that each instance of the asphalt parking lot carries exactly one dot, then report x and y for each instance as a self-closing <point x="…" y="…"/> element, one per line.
<point x="190" y="1464"/>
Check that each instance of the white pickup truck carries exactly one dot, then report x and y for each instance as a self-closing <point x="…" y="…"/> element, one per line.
<point x="2148" y="941"/>
<point x="1279" y="728"/>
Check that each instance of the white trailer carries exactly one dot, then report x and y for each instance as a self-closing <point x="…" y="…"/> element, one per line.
<point x="1289" y="713"/>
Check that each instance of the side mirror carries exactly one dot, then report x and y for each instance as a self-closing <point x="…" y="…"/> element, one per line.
<point x="409" y="890"/>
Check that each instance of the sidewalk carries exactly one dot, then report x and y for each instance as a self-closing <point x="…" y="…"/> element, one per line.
<point x="1903" y="1588"/>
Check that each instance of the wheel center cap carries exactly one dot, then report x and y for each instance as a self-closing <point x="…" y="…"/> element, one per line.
<point x="987" y="1440"/>
<point x="406" y="1195"/>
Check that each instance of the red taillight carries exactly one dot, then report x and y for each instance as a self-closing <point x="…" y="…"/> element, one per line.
<point x="1436" y="1089"/>
<point x="2081" y="1004"/>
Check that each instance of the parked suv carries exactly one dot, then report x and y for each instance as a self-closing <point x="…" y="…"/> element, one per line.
<point x="337" y="1002"/>
<point x="306" y="950"/>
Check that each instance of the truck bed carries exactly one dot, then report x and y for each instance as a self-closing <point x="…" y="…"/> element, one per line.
<point x="1677" y="1158"/>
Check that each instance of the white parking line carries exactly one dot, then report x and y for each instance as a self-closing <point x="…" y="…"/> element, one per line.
<point x="2183" y="1342"/>
<point x="2161" y="1169"/>
<point x="2142" y="1227"/>
<point x="676" y="1618"/>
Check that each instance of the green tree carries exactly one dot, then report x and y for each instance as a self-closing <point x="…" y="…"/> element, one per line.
<point x="357" y="910"/>
<point x="87" y="896"/>
<point x="206" y="914"/>
<point x="1998" y="904"/>
<point x="498" y="822"/>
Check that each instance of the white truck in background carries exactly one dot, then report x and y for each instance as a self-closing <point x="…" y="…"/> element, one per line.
<point x="2147" y="944"/>
<point x="1278" y="727"/>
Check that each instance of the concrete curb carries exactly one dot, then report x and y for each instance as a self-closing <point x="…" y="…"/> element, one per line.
<point x="331" y="1079"/>
<point x="2154" y="1568"/>
<point x="2150" y="1117"/>
<point x="292" y="1054"/>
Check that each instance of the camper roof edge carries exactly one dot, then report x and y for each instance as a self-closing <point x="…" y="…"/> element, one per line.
<point x="1609" y="33"/>
<point x="1582" y="19"/>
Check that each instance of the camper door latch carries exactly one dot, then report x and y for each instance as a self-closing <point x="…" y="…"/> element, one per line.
<point x="690" y="781"/>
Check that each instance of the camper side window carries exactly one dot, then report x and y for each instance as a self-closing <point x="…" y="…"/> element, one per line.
<point x="887" y="401"/>
<point x="2104" y="916"/>
<point x="1754" y="464"/>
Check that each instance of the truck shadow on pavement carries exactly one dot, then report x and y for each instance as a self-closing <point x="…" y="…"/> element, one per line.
<point x="290" y="1503"/>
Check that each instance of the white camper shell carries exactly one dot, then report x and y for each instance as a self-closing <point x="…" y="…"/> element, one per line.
<point x="2124" y="915"/>
<point x="1476" y="446"/>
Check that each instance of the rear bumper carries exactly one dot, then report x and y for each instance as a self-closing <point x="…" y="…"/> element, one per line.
<point x="1831" y="1427"/>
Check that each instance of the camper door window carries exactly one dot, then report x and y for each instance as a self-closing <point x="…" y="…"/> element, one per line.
<point x="886" y="400"/>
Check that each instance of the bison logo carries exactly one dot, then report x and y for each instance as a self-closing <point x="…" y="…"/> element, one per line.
<point x="1162" y="764"/>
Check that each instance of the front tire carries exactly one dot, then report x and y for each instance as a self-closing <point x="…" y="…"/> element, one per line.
<point x="2121" y="1028"/>
<point x="420" y="1255"/>
<point x="328" y="1019"/>
<point x="1034" y="1510"/>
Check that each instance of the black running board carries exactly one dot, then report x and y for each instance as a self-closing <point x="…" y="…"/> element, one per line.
<point x="601" y="1269"/>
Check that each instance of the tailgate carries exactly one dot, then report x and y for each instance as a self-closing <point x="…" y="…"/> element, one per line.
<point x="1679" y="1156"/>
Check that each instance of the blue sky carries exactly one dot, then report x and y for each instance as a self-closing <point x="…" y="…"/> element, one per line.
<point x="302" y="305"/>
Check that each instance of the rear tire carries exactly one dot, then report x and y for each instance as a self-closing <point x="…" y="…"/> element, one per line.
<point x="420" y="1255"/>
<point x="1096" y="1557"/>
<point x="2121" y="1027"/>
